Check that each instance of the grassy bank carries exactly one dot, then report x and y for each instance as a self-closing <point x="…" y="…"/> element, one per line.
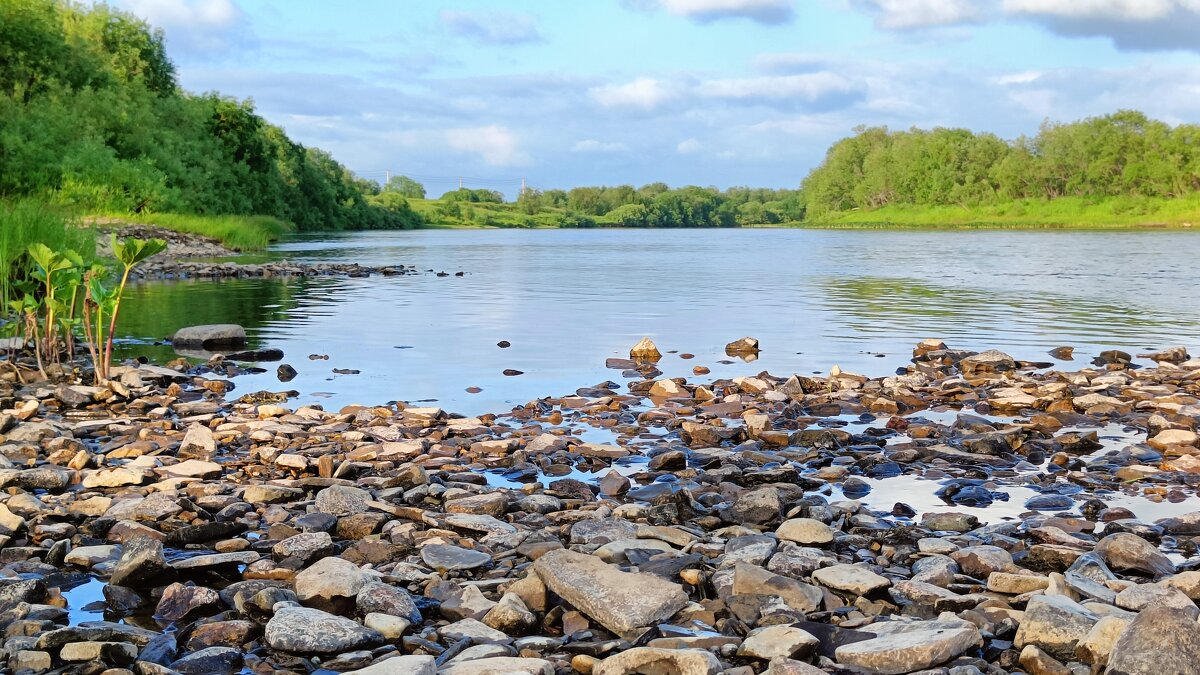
<point x="29" y="221"/>
<point x="439" y="214"/>
<point x="1066" y="213"/>
<point x="241" y="233"/>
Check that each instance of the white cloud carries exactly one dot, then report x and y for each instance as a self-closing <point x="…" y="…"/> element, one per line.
<point x="704" y="11"/>
<point x="688" y="147"/>
<point x="1024" y="77"/>
<point x="1147" y="25"/>
<point x="909" y="14"/>
<point x="808" y="87"/>
<point x="205" y="27"/>
<point x="644" y="92"/>
<point x="497" y="28"/>
<point x="593" y="145"/>
<point x="497" y="145"/>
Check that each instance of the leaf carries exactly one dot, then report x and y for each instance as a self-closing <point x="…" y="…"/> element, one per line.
<point x="133" y="251"/>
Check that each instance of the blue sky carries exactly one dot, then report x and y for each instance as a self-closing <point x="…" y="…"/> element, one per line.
<point x="708" y="92"/>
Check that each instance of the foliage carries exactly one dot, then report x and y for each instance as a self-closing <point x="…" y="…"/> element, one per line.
<point x="24" y="223"/>
<point x="1124" y="155"/>
<point x="101" y="302"/>
<point x="405" y="186"/>
<point x="241" y="233"/>
<point x="92" y="118"/>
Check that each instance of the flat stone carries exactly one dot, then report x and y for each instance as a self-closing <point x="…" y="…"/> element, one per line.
<point x="620" y="601"/>
<point x="330" y="583"/>
<point x="142" y="564"/>
<point x="752" y="580"/>
<point x="772" y="642"/>
<point x="499" y="665"/>
<point x="400" y="665"/>
<point x="304" y="630"/>
<point x="1055" y="624"/>
<point x="212" y="335"/>
<point x="651" y="661"/>
<point x="855" y="579"/>
<point x="908" y="651"/>
<point x="447" y="557"/>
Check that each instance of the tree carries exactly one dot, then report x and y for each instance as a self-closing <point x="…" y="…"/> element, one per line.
<point x="406" y="187"/>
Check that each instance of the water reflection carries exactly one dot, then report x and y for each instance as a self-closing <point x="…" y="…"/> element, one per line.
<point x="567" y="300"/>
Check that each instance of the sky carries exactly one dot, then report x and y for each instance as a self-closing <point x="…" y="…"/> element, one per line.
<point x="562" y="93"/>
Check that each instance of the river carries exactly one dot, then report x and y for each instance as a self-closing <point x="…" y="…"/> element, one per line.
<point x="568" y="299"/>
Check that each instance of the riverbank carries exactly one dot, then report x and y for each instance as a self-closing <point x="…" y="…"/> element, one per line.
<point x="731" y="525"/>
<point x="1062" y="213"/>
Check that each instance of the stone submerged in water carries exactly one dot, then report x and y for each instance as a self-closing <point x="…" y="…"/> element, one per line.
<point x="645" y="350"/>
<point x="213" y="335"/>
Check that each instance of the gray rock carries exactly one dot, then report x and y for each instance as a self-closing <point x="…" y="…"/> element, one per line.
<point x="602" y="530"/>
<point x="330" y="584"/>
<point x="770" y="642"/>
<point x="1160" y="640"/>
<point x="385" y="599"/>
<point x="342" y="500"/>
<point x="214" y="335"/>
<point x="620" y="601"/>
<point x="499" y="665"/>
<point x="755" y="507"/>
<point x="855" y="579"/>
<point x="911" y="648"/>
<point x="304" y="630"/>
<point x="400" y="665"/>
<point x="142" y="565"/>
<point x="1139" y="597"/>
<point x="751" y="580"/>
<point x="1055" y="624"/>
<point x="1124" y="551"/>
<point x="447" y="557"/>
<point x="210" y="661"/>
<point x="805" y="531"/>
<point x="198" y="443"/>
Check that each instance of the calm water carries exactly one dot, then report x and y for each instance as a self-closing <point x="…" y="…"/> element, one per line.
<point x="569" y="299"/>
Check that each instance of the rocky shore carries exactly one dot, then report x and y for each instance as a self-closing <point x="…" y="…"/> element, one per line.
<point x="191" y="256"/>
<point x="163" y="523"/>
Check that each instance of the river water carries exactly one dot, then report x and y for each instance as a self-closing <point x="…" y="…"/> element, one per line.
<point x="568" y="299"/>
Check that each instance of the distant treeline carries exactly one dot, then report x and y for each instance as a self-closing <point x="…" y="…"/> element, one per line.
<point x="92" y="117"/>
<point x="1123" y="155"/>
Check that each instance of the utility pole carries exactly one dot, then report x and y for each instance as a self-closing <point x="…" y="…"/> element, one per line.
<point x="460" y="182"/>
<point x="387" y="177"/>
<point x="522" y="186"/>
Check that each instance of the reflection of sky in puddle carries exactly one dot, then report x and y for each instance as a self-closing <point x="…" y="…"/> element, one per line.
<point x="85" y="602"/>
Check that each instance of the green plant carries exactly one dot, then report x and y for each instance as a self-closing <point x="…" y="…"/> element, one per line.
<point x="129" y="252"/>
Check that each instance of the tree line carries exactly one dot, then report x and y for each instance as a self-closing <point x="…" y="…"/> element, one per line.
<point x="1124" y="154"/>
<point x="92" y="117"/>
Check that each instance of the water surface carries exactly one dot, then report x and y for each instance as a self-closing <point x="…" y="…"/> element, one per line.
<point x="569" y="299"/>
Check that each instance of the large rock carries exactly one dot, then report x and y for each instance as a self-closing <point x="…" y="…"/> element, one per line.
<point x="1056" y="624"/>
<point x="910" y="647"/>
<point x="198" y="443"/>
<point x="753" y="580"/>
<point x="1125" y="551"/>
<point x="330" y="583"/>
<point x="645" y="350"/>
<point x="213" y="335"/>
<point x="304" y="630"/>
<point x="142" y="565"/>
<point x="385" y="599"/>
<point x="855" y="579"/>
<point x="772" y="642"/>
<point x="650" y="661"/>
<point x="805" y="531"/>
<point x="449" y="557"/>
<point x="342" y="500"/>
<point x="620" y="601"/>
<point x="1160" y="640"/>
<point x="400" y="665"/>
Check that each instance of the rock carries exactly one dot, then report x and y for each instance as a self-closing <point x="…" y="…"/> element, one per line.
<point x="1016" y="584"/>
<point x="650" y="661"/>
<point x="1138" y="597"/>
<point x="949" y="521"/>
<point x="620" y="601"/>
<point x="474" y="630"/>
<point x="384" y="599"/>
<point x="1124" y="551"/>
<point x="645" y="350"/>
<point x="981" y="561"/>
<point x="446" y="557"/>
<point x="10" y="523"/>
<point x="142" y="564"/>
<point x="499" y="665"/>
<point x="400" y="665"/>
<point x="116" y="477"/>
<point x="1038" y="662"/>
<point x="285" y="373"/>
<point x="1055" y="624"/>
<point x="1096" y="646"/>
<point x="772" y="642"/>
<point x="752" y="580"/>
<point x="342" y="500"/>
<point x="210" y="661"/>
<point x="854" y="579"/>
<point x="215" y="335"/>
<point x="805" y="531"/>
<point x="330" y="584"/>
<point x="305" y="546"/>
<point x="198" y="443"/>
<point x="991" y="361"/>
<point x="755" y="507"/>
<point x="746" y="345"/>
<point x="178" y="601"/>
<point x="304" y="630"/>
<point x="791" y="667"/>
<point x="271" y="494"/>
<point x="510" y="615"/>
<point x="390" y="627"/>
<point x="1160" y="640"/>
<point x="912" y="649"/>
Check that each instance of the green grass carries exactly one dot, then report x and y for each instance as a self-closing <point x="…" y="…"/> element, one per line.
<point x="241" y="233"/>
<point x="1065" y="213"/>
<point x="28" y="221"/>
